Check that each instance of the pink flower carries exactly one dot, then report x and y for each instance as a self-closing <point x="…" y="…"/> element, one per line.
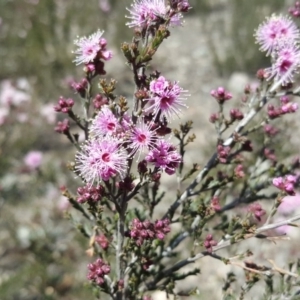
<point x="33" y="160"/>
<point x="165" y="98"/>
<point x="275" y="30"/>
<point x="144" y="13"/>
<point x="105" y="123"/>
<point x="97" y="271"/>
<point x="287" y="61"/>
<point x="90" y="48"/>
<point x="101" y="160"/>
<point x="142" y="138"/>
<point x="286" y="184"/>
<point x="164" y="156"/>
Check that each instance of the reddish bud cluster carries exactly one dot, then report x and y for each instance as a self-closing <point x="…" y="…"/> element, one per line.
<point x="285" y="108"/>
<point x="261" y="74"/>
<point x="90" y="194"/>
<point x="295" y="10"/>
<point x="256" y="210"/>
<point x="214" y="117"/>
<point x="236" y="114"/>
<point x="64" y="105"/>
<point x="223" y="153"/>
<point x="221" y="95"/>
<point x="141" y="231"/>
<point x="80" y="87"/>
<point x="286" y="184"/>
<point x="99" y="101"/>
<point x="62" y="126"/>
<point x="209" y="243"/>
<point x="102" y="241"/>
<point x="97" y="271"/>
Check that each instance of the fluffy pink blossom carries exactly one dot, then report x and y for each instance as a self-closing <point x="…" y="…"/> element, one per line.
<point x="285" y="65"/>
<point x="142" y="138"/>
<point x="144" y="13"/>
<point x="274" y="31"/>
<point x="164" y="156"/>
<point x="33" y="160"/>
<point x="101" y="159"/>
<point x="166" y="99"/>
<point x="91" y="47"/>
<point x="105" y="123"/>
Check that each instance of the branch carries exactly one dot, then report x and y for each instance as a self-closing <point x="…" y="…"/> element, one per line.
<point x="221" y="245"/>
<point x="213" y="160"/>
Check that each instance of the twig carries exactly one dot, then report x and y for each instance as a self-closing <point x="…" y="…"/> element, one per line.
<point x="221" y="245"/>
<point x="213" y="160"/>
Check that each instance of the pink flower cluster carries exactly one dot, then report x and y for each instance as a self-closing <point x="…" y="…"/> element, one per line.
<point x="295" y="10"/>
<point x="97" y="271"/>
<point x="285" y="108"/>
<point x="146" y="13"/>
<point x="141" y="231"/>
<point x="286" y="184"/>
<point x="221" y="95"/>
<point x="279" y="37"/>
<point x="101" y="160"/>
<point x="90" y="194"/>
<point x="223" y="153"/>
<point x="166" y="98"/>
<point x="62" y="126"/>
<point x="102" y="241"/>
<point x="165" y="157"/>
<point x="209" y="243"/>
<point x="64" y="105"/>
<point x="91" y="49"/>
<point x="256" y="210"/>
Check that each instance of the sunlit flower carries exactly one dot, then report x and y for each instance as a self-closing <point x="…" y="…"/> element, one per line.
<point x="142" y="138"/>
<point x="144" y="13"/>
<point x="286" y="64"/>
<point x="166" y="98"/>
<point x="105" y="123"/>
<point x="164" y="156"/>
<point x="275" y="30"/>
<point x="101" y="159"/>
<point x="91" y="47"/>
